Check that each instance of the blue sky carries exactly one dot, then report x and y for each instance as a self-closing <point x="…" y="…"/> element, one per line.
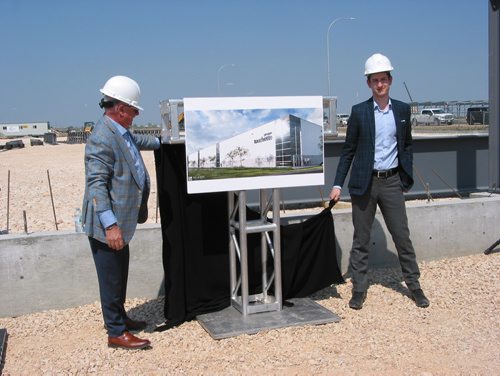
<point x="56" y="54"/>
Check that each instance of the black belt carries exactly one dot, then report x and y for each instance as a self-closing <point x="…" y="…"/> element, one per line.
<point x="384" y="174"/>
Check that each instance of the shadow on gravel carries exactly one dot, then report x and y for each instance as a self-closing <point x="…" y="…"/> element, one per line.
<point x="151" y="312"/>
<point x="384" y="267"/>
<point x="326" y="293"/>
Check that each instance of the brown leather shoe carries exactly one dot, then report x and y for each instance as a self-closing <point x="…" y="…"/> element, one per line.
<point x="135" y="325"/>
<point x="128" y="341"/>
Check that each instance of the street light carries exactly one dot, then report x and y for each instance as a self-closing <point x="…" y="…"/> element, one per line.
<point x="328" y="47"/>
<point x="219" y="89"/>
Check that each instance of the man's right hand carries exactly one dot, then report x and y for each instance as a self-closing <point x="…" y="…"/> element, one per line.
<point x="114" y="238"/>
<point x="335" y="194"/>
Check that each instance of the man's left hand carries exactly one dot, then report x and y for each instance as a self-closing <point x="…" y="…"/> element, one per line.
<point x="114" y="238"/>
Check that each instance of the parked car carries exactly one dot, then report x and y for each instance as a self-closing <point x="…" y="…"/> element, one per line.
<point x="478" y="115"/>
<point x="435" y="116"/>
<point x="342" y="119"/>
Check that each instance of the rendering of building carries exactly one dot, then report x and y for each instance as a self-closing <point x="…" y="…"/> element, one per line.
<point x="286" y="142"/>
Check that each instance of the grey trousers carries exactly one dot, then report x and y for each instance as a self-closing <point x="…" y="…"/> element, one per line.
<point x="388" y="195"/>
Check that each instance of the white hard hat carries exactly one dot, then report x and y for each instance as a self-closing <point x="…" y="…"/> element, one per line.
<point x="377" y="63"/>
<point x="123" y="89"/>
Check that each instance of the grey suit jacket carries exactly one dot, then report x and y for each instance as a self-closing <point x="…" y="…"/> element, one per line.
<point x="112" y="181"/>
<point x="359" y="147"/>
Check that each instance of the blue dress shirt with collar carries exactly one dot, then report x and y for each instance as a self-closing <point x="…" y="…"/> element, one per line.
<point x="386" y="147"/>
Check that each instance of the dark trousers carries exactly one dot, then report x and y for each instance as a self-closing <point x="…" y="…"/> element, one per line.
<point x="388" y="195"/>
<point x="112" y="274"/>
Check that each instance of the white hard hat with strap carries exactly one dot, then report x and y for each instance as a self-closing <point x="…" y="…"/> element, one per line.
<point x="377" y="63"/>
<point x="123" y="89"/>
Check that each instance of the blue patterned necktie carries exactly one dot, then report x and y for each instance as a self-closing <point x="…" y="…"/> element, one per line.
<point x="136" y="156"/>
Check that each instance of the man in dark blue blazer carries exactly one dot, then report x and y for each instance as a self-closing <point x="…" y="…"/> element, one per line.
<point x="378" y="145"/>
<point x="117" y="188"/>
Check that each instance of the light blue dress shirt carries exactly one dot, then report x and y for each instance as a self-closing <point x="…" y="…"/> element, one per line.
<point x="386" y="146"/>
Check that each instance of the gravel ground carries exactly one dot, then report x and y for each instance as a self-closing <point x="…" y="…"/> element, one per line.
<point x="458" y="334"/>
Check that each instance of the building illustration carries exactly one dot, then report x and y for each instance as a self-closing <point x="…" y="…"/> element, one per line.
<point x="288" y="142"/>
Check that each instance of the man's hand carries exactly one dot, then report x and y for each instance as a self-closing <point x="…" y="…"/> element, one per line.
<point x="335" y="194"/>
<point x="114" y="238"/>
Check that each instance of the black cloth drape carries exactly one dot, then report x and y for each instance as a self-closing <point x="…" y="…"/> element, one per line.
<point x="195" y="246"/>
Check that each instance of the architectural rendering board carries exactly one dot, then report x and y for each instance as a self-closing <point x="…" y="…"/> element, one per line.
<point x="244" y="143"/>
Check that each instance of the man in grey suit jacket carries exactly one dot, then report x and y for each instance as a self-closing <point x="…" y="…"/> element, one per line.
<point x="378" y="144"/>
<point x="117" y="188"/>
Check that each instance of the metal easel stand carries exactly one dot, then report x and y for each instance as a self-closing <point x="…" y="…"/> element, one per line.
<point x="238" y="250"/>
<point x="249" y="314"/>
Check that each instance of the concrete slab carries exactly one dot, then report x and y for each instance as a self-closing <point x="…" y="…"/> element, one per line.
<point x="229" y="322"/>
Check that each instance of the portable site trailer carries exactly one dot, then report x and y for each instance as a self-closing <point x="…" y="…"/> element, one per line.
<point x="24" y="129"/>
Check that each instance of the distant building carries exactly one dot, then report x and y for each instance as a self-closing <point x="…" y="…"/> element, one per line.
<point x="286" y="142"/>
<point x="24" y="129"/>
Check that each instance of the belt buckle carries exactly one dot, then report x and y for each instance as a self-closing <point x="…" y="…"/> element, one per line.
<point x="382" y="174"/>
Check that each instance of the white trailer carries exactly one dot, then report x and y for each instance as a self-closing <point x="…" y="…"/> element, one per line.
<point x="24" y="129"/>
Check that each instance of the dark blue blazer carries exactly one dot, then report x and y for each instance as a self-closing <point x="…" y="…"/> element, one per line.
<point x="359" y="147"/>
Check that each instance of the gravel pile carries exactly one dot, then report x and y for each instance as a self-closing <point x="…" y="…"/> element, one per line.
<point x="458" y="334"/>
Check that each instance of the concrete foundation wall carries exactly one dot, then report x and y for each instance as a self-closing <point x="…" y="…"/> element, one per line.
<point x="42" y="271"/>
<point x="438" y="230"/>
<point x="54" y="270"/>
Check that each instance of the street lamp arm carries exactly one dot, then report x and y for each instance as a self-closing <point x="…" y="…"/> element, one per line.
<point x="328" y="46"/>
<point x="218" y="75"/>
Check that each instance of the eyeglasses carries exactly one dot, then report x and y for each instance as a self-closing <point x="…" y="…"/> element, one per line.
<point x="382" y="81"/>
<point x="134" y="110"/>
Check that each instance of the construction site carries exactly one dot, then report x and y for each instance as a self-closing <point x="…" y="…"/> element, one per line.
<point x="51" y="318"/>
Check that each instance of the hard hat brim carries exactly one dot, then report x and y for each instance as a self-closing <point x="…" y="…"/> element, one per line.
<point x="119" y="98"/>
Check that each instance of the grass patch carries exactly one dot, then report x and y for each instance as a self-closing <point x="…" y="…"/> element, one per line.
<point x="247" y="172"/>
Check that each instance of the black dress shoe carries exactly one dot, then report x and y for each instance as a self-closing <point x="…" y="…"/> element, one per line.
<point x="135" y="325"/>
<point x="128" y="341"/>
<point x="357" y="300"/>
<point x="419" y="298"/>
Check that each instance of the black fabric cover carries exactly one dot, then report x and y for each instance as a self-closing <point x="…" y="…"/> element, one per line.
<point x="308" y="256"/>
<point x="195" y="247"/>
